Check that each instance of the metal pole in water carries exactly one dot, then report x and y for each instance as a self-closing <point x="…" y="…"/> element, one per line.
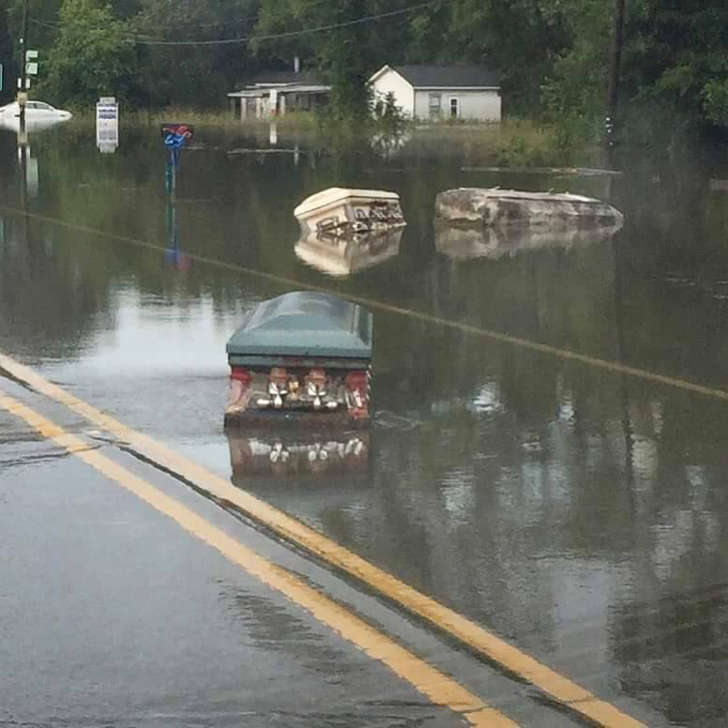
<point x="616" y="56"/>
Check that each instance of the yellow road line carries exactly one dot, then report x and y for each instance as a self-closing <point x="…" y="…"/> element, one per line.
<point x="485" y="643"/>
<point x="438" y="687"/>
<point x="567" y="354"/>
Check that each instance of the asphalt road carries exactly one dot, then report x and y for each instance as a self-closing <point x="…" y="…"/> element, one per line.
<point x="113" y="614"/>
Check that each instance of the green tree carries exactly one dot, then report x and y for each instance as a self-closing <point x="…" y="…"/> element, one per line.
<point x="92" y="55"/>
<point x="42" y="29"/>
<point x="6" y="55"/>
<point x="575" y="89"/>
<point x="520" y="38"/>
<point x="714" y="96"/>
<point x="191" y="73"/>
<point x="679" y="56"/>
<point x="345" y="49"/>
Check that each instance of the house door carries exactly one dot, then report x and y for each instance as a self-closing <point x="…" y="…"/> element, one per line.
<point x="454" y="108"/>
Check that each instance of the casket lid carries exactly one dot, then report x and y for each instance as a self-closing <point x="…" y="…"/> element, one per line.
<point x="305" y="324"/>
<point x="337" y="195"/>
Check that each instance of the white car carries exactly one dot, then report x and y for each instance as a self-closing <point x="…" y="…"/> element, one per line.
<point x="38" y="115"/>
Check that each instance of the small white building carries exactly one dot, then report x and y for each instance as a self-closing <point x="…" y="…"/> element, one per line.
<point x="272" y="93"/>
<point x="441" y="92"/>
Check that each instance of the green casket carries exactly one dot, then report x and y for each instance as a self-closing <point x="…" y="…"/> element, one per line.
<point x="301" y="353"/>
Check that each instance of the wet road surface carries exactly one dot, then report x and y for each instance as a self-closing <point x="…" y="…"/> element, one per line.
<point x="574" y="509"/>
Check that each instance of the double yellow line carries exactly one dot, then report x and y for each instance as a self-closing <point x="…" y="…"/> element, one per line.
<point x="439" y="688"/>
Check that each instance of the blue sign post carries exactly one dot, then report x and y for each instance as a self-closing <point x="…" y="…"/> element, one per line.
<point x="175" y="137"/>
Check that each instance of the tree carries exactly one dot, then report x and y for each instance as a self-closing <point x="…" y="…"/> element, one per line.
<point x="42" y="29"/>
<point x="680" y="56"/>
<point x="350" y="44"/>
<point x="6" y="54"/>
<point x="519" y="38"/>
<point x="714" y="97"/>
<point x="92" y="55"/>
<point x="576" y="87"/>
<point x="189" y="73"/>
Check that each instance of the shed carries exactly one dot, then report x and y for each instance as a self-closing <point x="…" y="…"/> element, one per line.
<point x="436" y="92"/>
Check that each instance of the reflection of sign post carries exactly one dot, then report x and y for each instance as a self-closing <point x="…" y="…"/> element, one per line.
<point x="107" y="124"/>
<point x="31" y="175"/>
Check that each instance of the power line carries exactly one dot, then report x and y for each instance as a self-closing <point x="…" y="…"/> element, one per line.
<point x="144" y="39"/>
<point x="170" y="26"/>
<point x="288" y="34"/>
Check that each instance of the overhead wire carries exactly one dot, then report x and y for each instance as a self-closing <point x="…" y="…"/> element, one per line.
<point x="143" y="39"/>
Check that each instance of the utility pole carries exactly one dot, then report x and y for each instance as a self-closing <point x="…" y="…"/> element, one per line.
<point x="22" y="93"/>
<point x="616" y="56"/>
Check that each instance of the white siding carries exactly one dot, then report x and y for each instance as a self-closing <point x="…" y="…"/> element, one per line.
<point x="483" y="105"/>
<point x="404" y="94"/>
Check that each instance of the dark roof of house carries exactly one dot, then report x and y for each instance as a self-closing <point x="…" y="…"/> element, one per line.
<point x="274" y="77"/>
<point x="448" y="76"/>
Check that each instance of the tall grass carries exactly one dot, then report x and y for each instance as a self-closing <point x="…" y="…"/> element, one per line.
<point x="509" y="143"/>
<point x="513" y="142"/>
<point x="214" y="118"/>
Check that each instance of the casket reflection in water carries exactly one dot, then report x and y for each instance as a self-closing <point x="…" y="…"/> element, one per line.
<point x="299" y="453"/>
<point x="464" y="243"/>
<point x="342" y="255"/>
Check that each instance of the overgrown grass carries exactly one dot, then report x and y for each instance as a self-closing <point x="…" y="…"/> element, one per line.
<point x="513" y="142"/>
<point x="213" y="118"/>
<point x="510" y="143"/>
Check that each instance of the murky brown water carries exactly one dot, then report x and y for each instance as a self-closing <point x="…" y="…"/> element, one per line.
<point x="578" y="511"/>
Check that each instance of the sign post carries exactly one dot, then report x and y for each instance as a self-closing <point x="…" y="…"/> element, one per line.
<point x="107" y="124"/>
<point x="31" y="63"/>
<point x="175" y="137"/>
<point x="23" y="79"/>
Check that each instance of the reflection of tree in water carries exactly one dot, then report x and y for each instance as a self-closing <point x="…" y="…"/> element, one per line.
<point x="50" y="301"/>
<point x="670" y="640"/>
<point x="281" y="629"/>
<point x="331" y="666"/>
<point x="675" y="263"/>
<point x="490" y="504"/>
<point x="496" y="471"/>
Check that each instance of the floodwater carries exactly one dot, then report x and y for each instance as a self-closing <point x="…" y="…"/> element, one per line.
<point x="577" y="509"/>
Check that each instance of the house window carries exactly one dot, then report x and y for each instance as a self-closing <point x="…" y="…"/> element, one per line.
<point x="435" y="105"/>
<point x="454" y="108"/>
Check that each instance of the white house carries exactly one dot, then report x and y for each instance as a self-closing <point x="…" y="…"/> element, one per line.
<point x="441" y="92"/>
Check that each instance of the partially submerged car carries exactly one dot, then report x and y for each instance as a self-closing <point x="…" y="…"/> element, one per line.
<point x="38" y="115"/>
<point x="301" y="355"/>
